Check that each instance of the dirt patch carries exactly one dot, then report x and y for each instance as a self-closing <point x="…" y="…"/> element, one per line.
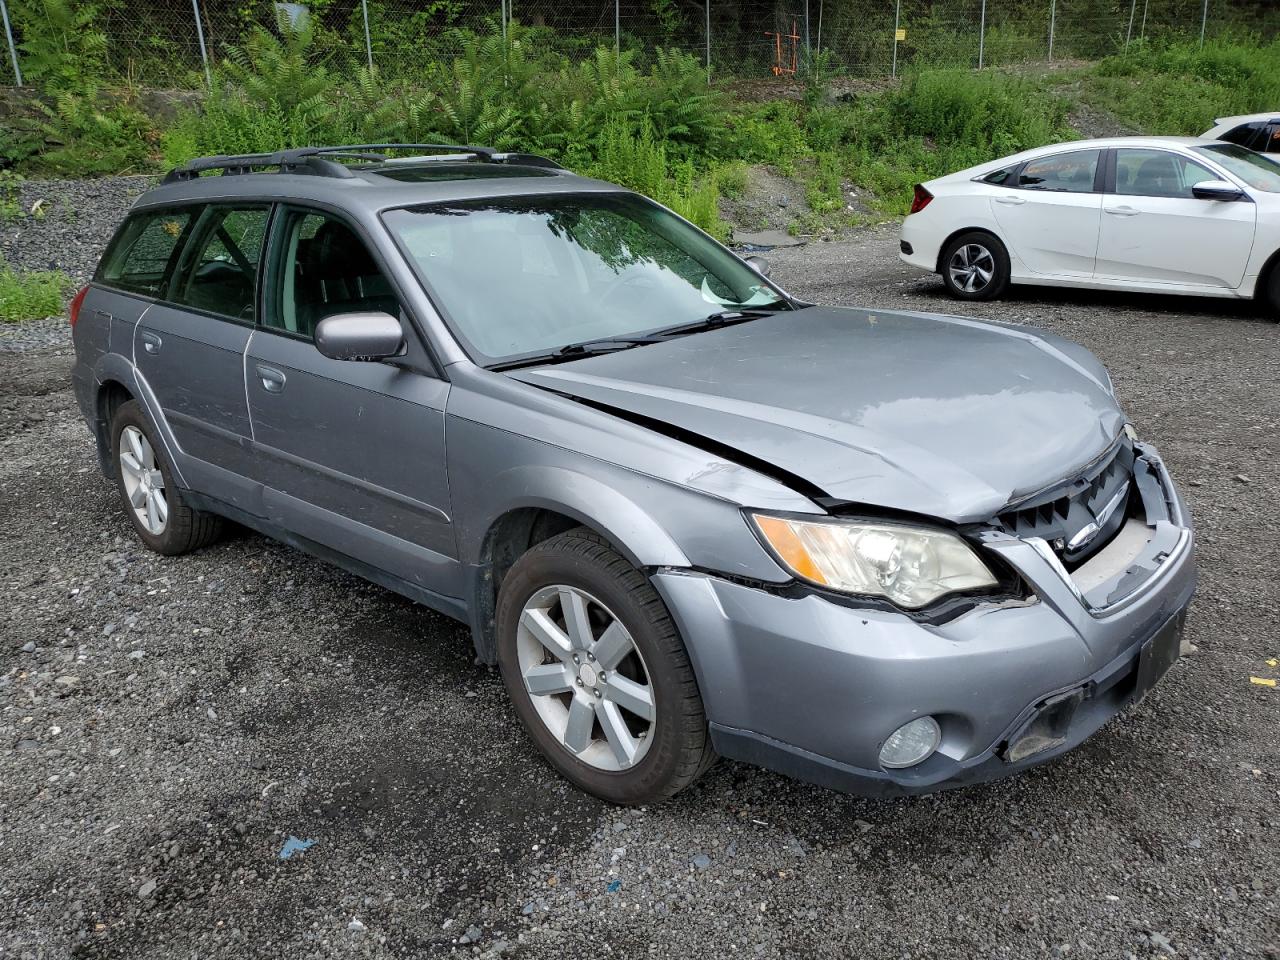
<point x="773" y="210"/>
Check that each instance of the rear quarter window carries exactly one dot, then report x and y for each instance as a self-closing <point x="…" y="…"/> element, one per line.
<point x="140" y="257"/>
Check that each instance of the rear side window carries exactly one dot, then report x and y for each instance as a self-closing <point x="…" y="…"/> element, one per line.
<point x="139" y="258"/>
<point x="1063" y="172"/>
<point x="999" y="176"/>
<point x="1244" y="135"/>
<point x="219" y="271"/>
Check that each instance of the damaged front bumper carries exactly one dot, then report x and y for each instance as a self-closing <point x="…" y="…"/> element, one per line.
<point x="812" y="687"/>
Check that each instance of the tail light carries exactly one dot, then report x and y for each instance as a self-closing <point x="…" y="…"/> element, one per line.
<point x="921" y="198"/>
<point x="76" y="303"/>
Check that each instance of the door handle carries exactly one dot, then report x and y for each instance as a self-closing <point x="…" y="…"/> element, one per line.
<point x="103" y="315"/>
<point x="151" y="342"/>
<point x="1122" y="211"/>
<point x="272" y="379"/>
<point x="1011" y="201"/>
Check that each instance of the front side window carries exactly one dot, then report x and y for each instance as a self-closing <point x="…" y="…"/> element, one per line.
<point x="1253" y="168"/>
<point x="519" y="276"/>
<point x="323" y="268"/>
<point x="1072" y="172"/>
<point x="1156" y="173"/>
<point x="139" y="258"/>
<point x="219" y="271"/>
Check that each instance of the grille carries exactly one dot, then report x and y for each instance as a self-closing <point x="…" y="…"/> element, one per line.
<point x="1058" y="515"/>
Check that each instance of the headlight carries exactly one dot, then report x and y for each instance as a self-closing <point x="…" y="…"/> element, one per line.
<point x="910" y="566"/>
<point x="1131" y="432"/>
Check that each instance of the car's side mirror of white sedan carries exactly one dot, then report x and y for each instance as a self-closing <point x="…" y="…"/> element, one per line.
<point x="1217" y="190"/>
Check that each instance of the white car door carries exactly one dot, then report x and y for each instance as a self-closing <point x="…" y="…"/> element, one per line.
<point x="1155" y="231"/>
<point x="1049" y="213"/>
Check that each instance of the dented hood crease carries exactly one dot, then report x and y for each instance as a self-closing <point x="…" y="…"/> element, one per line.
<point x="936" y="415"/>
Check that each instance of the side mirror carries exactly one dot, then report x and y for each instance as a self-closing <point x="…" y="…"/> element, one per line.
<point x="1216" y="190"/>
<point x="759" y="264"/>
<point x="359" y="336"/>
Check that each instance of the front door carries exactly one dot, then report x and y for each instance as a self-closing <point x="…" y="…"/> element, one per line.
<point x="1155" y="231"/>
<point x="350" y="453"/>
<point x="1050" y="214"/>
<point x="189" y="344"/>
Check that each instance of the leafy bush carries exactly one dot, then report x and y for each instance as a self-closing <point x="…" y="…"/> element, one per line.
<point x="30" y="295"/>
<point x="1180" y="88"/>
<point x="90" y="134"/>
<point x="62" y="47"/>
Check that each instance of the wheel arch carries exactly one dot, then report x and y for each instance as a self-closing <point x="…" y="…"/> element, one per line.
<point x="111" y="395"/>
<point x="570" y="500"/>
<point x="1265" y="276"/>
<point x="946" y="242"/>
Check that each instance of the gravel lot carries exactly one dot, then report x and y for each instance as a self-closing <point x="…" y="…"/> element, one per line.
<point x="166" y="725"/>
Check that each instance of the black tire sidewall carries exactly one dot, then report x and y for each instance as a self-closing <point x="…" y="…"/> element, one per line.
<point x="543" y="566"/>
<point x="999" y="282"/>
<point x="129" y="414"/>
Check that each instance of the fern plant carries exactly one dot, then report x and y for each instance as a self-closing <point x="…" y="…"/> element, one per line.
<point x="62" y="47"/>
<point x="280" y="71"/>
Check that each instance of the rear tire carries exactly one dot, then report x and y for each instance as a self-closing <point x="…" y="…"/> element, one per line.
<point x="975" y="266"/>
<point x="584" y="706"/>
<point x="151" y="498"/>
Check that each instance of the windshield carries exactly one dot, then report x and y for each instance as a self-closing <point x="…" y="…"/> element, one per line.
<point x="1253" y="168"/>
<point x="522" y="276"/>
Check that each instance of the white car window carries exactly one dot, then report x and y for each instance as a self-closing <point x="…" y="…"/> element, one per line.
<point x="1157" y="173"/>
<point x="1063" y="172"/>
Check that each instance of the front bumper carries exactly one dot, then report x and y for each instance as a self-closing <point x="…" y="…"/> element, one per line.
<point x="812" y="687"/>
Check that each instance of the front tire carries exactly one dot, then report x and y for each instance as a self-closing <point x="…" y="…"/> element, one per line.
<point x="597" y="672"/>
<point x="151" y="499"/>
<point x="1271" y="292"/>
<point x="975" y="266"/>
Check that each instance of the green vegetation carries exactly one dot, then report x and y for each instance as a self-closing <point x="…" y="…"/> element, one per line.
<point x="30" y="295"/>
<point x="1180" y="88"/>
<point x="647" y="119"/>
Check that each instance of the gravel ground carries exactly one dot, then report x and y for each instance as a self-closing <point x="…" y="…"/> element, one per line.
<point x="166" y="726"/>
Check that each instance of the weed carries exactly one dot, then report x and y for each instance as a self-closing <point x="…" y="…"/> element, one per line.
<point x="30" y="295"/>
<point x="10" y="204"/>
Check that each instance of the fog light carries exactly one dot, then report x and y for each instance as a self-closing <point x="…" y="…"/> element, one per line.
<point x="911" y="743"/>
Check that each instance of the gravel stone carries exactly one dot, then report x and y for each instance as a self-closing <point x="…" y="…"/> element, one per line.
<point x="340" y="718"/>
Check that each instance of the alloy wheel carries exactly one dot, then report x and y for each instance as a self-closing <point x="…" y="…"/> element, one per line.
<point x="972" y="267"/>
<point x="586" y="678"/>
<point x="143" y="481"/>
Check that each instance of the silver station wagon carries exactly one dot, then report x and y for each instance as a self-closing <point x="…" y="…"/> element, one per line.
<point x="686" y="514"/>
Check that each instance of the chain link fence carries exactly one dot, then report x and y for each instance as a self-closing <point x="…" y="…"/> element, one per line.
<point x="177" y="43"/>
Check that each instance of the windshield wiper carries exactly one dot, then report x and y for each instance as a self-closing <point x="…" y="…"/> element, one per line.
<point x="722" y="318"/>
<point x="576" y="351"/>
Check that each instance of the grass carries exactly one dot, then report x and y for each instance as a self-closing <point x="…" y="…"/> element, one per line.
<point x="31" y="295"/>
<point x="1180" y="88"/>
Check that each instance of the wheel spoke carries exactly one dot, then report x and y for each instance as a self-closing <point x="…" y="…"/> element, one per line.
<point x="129" y="463"/>
<point x="161" y="505"/>
<point x="137" y="498"/>
<point x="620" y="740"/>
<point x="613" y="645"/>
<point x="538" y="623"/>
<point x="157" y="480"/>
<point x="577" y="733"/>
<point x="153" y="516"/>
<point x="134" y="439"/>
<point x="148" y="457"/>
<point x="964" y="256"/>
<point x="546" y="679"/>
<point x="574" y="607"/>
<point x="630" y="696"/>
<point x="983" y="275"/>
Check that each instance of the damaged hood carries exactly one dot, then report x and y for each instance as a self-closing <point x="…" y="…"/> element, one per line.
<point x="937" y="415"/>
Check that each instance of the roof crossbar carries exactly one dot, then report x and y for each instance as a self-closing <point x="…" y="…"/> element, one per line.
<point x="321" y="161"/>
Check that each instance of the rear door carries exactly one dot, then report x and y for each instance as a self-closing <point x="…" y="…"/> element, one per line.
<point x="1155" y="231"/>
<point x="189" y="346"/>
<point x="1049" y="211"/>
<point x="350" y="453"/>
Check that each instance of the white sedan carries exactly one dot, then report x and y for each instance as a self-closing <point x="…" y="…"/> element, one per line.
<point x="1257" y="131"/>
<point x="1157" y="214"/>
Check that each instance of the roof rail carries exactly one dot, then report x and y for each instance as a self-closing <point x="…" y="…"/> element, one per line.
<point x="321" y="161"/>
